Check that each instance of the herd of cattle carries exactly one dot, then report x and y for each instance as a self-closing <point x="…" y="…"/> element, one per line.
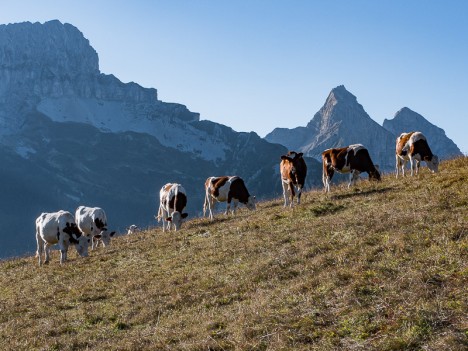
<point x="89" y="225"/>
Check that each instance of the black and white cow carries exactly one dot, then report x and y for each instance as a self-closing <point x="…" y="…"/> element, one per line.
<point x="353" y="159"/>
<point x="172" y="202"/>
<point x="413" y="147"/>
<point x="59" y="228"/>
<point x="226" y="189"/>
<point x="92" y="221"/>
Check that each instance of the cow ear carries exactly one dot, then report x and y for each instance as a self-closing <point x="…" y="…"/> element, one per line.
<point x="284" y="157"/>
<point x="184" y="215"/>
<point x="169" y="219"/>
<point x="112" y="234"/>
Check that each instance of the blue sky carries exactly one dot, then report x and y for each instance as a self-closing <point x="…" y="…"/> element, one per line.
<point x="258" y="64"/>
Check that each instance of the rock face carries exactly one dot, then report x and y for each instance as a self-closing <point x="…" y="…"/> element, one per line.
<point x="340" y="122"/>
<point x="407" y="120"/>
<point x="70" y="136"/>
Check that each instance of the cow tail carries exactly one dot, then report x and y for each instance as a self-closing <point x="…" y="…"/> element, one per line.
<point x="159" y="216"/>
<point x="175" y="198"/>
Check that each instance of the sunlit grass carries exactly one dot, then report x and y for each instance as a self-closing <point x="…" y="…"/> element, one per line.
<point x="382" y="266"/>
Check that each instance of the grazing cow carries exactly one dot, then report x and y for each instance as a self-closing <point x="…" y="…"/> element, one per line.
<point x="413" y="146"/>
<point x="172" y="202"/>
<point x="353" y="159"/>
<point x="92" y="221"/>
<point x="293" y="173"/>
<point x="226" y="188"/>
<point x="132" y="229"/>
<point x="59" y="227"/>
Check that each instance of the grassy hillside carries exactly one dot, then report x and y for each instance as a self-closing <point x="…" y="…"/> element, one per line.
<point x="379" y="267"/>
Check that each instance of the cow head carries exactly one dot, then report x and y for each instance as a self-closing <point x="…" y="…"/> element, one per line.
<point x="104" y="236"/>
<point x="433" y="163"/>
<point x="375" y="173"/>
<point x="177" y="219"/>
<point x="81" y="245"/>
<point x="251" y="203"/>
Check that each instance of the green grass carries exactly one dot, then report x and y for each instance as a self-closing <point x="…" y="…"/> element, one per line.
<point x="382" y="266"/>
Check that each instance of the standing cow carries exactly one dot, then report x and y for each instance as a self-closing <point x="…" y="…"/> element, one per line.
<point x="59" y="227"/>
<point x="353" y="159"/>
<point x="226" y="188"/>
<point x="92" y="221"/>
<point x="293" y="171"/>
<point x="172" y="202"/>
<point x="413" y="146"/>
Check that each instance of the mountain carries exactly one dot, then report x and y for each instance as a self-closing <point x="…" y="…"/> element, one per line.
<point x="70" y="136"/>
<point x="340" y="122"/>
<point x="407" y="120"/>
<point x="343" y="121"/>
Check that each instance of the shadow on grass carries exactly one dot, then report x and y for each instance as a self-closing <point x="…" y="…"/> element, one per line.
<point x="358" y="192"/>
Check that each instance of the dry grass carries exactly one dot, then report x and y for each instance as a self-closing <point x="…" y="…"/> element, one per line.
<point x="379" y="267"/>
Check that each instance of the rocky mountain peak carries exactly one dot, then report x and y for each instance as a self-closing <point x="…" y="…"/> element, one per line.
<point x="406" y="120"/>
<point x="61" y="49"/>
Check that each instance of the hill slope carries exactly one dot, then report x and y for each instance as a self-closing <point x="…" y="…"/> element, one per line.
<point x="379" y="267"/>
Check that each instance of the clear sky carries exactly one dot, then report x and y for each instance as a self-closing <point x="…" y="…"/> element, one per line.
<point x="260" y="64"/>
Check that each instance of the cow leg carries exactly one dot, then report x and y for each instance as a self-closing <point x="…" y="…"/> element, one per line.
<point x="205" y="205"/>
<point x="299" y="193"/>
<point x="46" y="253"/>
<point x="228" y="203"/>
<point x="326" y="178"/>
<point x="354" y="175"/>
<point x="40" y="245"/>
<point x="286" y="193"/>
<point x="412" y="164"/>
<point x="418" y="164"/>
<point x="236" y="202"/>
<point x="211" y="206"/>
<point x="397" y="164"/>
<point x="63" y="246"/>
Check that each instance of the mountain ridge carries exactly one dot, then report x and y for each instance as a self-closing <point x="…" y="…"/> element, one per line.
<point x="342" y="121"/>
<point x="71" y="136"/>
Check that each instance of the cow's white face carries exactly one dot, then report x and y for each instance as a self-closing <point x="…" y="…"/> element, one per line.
<point x="177" y="219"/>
<point x="105" y="237"/>
<point x="251" y="203"/>
<point x="82" y="246"/>
<point x="433" y="164"/>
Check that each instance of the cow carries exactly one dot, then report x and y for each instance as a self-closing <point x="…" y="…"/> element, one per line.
<point x="226" y="188"/>
<point x="132" y="229"/>
<point x="413" y="147"/>
<point x="172" y="202"/>
<point x="293" y="171"/>
<point x="92" y="222"/>
<point x="59" y="227"/>
<point x="353" y="159"/>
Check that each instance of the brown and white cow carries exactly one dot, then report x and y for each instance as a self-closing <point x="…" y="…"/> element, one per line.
<point x="353" y="159"/>
<point x="226" y="189"/>
<point x="413" y="147"/>
<point x="293" y="171"/>
<point x="172" y="202"/>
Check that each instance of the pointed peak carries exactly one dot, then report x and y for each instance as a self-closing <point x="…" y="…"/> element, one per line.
<point x="406" y="113"/>
<point x="341" y="94"/>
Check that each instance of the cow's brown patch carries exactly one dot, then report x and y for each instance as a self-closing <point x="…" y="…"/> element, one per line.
<point x="401" y="142"/>
<point x="217" y="183"/>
